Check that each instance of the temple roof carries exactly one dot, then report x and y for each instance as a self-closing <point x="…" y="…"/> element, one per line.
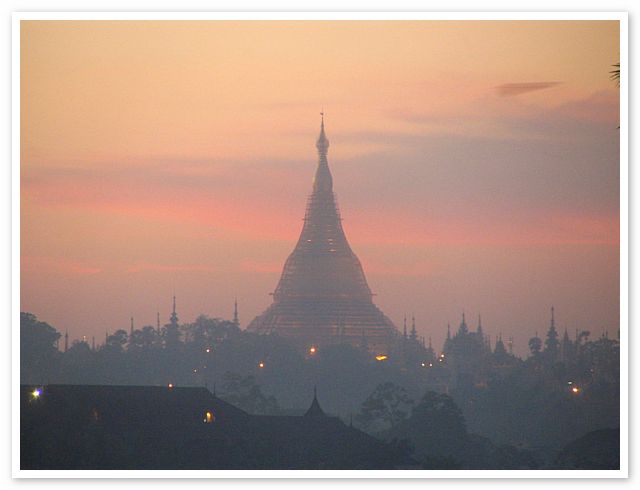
<point x="315" y="410"/>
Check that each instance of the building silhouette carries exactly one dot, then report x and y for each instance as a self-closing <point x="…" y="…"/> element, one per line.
<point x="168" y="427"/>
<point x="323" y="296"/>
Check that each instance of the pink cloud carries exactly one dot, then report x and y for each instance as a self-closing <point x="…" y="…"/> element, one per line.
<point x="58" y="265"/>
<point x="155" y="267"/>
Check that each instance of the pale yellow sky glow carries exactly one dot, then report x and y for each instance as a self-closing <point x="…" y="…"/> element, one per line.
<point x="476" y="165"/>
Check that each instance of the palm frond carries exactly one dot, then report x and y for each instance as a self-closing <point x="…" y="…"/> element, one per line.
<point x="615" y="74"/>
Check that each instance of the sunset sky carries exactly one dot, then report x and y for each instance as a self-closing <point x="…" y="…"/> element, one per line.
<point x="476" y="166"/>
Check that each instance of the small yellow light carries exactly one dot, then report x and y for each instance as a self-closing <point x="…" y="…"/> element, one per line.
<point x="261" y="365"/>
<point x="423" y="364"/>
<point x="170" y="385"/>
<point x="381" y="358"/>
<point x="575" y="389"/>
<point x="312" y="350"/>
<point x="208" y="418"/>
<point x="208" y="350"/>
<point x="36" y="393"/>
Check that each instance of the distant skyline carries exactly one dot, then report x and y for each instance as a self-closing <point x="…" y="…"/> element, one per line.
<point x="476" y="165"/>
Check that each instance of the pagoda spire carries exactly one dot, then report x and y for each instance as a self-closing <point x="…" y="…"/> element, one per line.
<point x="463" y="326"/>
<point x="405" y="326"/>
<point x="323" y="143"/>
<point x="174" y="315"/>
<point x="66" y="341"/>
<point x="323" y="182"/>
<point x="235" y="312"/>
<point x="158" y="321"/>
<point x="413" y="328"/>
<point x="131" y="329"/>
<point x="480" y="325"/>
<point x="322" y="279"/>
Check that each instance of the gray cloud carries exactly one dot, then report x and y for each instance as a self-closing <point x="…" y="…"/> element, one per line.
<point x="511" y="89"/>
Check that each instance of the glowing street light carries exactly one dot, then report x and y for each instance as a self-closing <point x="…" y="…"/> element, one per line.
<point x="36" y="393"/>
<point x="312" y="350"/>
<point x="381" y="358"/>
<point x="575" y="390"/>
<point x="208" y="350"/>
<point x="170" y="386"/>
<point x="261" y="365"/>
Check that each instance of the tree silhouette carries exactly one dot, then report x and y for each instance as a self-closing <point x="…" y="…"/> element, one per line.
<point x="245" y="393"/>
<point x="436" y="427"/>
<point x="535" y="346"/>
<point x="37" y="349"/>
<point x="387" y="406"/>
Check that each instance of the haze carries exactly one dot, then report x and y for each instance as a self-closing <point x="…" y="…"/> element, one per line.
<point x="476" y="166"/>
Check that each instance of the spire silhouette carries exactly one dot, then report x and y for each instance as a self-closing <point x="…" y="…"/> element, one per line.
<point x="323" y="181"/>
<point x="174" y="315"/>
<point x="322" y="279"/>
<point x="235" y="312"/>
<point x="315" y="410"/>
<point x="463" y="326"/>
